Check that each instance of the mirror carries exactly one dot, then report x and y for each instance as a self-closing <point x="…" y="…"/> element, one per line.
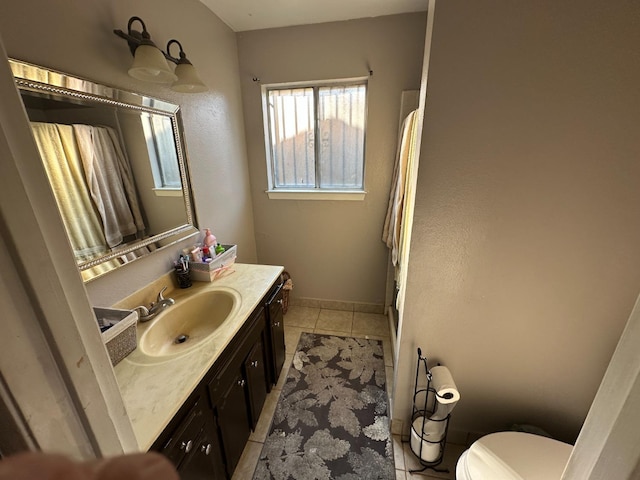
<point x="116" y="162"/>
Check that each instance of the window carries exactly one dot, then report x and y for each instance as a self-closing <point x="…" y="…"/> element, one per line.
<point x="158" y="132"/>
<point x="296" y="115"/>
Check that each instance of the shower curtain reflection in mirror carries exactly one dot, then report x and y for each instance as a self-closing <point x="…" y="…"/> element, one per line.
<point x="93" y="186"/>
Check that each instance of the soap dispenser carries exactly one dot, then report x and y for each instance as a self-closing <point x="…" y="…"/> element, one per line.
<point x="209" y="239"/>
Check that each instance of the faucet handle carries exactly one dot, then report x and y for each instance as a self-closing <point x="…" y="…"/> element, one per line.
<point x="160" y="296"/>
<point x="142" y="311"/>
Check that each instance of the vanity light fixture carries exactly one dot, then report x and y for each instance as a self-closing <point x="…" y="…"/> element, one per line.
<point x="188" y="80"/>
<point x="151" y="64"/>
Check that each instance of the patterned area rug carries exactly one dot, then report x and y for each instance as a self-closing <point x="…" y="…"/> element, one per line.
<point x="331" y="420"/>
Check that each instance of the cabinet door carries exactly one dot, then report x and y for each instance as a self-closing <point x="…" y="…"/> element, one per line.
<point x="182" y="440"/>
<point x="233" y="419"/>
<point x="276" y="329"/>
<point x="204" y="461"/>
<point x="257" y="383"/>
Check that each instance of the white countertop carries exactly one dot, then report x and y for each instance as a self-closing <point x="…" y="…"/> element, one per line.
<point x="154" y="390"/>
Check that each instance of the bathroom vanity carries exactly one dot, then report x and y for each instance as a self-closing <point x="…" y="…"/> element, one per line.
<point x="198" y="406"/>
<point x="195" y="401"/>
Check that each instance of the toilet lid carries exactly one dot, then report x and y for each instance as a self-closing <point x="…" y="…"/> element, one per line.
<point x="516" y="456"/>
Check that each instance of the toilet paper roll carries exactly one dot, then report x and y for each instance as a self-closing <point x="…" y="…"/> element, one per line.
<point x="442" y="382"/>
<point x="431" y="430"/>
<point x="425" y="438"/>
<point x="447" y="394"/>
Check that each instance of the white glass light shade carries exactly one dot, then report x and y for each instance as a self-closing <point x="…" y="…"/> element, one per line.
<point x="188" y="80"/>
<point x="150" y="65"/>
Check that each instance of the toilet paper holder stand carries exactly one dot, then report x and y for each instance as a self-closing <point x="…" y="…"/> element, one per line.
<point x="429" y="421"/>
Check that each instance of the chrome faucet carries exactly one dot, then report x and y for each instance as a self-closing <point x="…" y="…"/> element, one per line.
<point x="145" y="314"/>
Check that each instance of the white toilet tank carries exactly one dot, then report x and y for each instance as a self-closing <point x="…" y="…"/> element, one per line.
<point x="514" y="456"/>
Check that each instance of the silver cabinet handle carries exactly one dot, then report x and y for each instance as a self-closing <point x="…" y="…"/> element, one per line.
<point x="241" y="383"/>
<point x="276" y="324"/>
<point x="254" y="363"/>
<point x="206" y="449"/>
<point x="186" y="446"/>
<point x="280" y="301"/>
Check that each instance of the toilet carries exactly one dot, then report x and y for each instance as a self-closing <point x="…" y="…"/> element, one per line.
<point x="513" y="456"/>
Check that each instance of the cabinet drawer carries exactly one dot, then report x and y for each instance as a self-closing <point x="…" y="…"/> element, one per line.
<point x="275" y="303"/>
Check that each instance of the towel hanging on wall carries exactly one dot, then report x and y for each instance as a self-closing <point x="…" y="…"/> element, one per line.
<point x="391" y="234"/>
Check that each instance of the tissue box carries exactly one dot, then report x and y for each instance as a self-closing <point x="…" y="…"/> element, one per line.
<point x="206" y="272"/>
<point x="121" y="338"/>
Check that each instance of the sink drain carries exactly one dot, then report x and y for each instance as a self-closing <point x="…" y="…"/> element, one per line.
<point x="181" y="339"/>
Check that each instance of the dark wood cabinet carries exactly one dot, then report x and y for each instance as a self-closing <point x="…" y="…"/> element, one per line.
<point x="182" y="437"/>
<point x="238" y="388"/>
<point x="233" y="418"/>
<point x="207" y="437"/>
<point x="205" y="461"/>
<point x="193" y="445"/>
<point x="275" y="331"/>
<point x="256" y="374"/>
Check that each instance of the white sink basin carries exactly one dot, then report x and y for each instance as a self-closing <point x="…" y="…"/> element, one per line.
<point x="188" y="323"/>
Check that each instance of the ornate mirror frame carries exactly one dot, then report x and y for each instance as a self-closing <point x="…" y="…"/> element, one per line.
<point x="52" y="84"/>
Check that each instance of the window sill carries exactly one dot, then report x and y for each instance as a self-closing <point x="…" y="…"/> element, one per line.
<point x="356" y="195"/>
<point x="168" y="192"/>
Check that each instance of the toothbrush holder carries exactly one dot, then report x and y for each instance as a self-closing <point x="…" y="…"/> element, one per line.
<point x="183" y="277"/>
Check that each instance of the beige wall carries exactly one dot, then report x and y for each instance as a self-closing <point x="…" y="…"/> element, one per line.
<point x="332" y="249"/>
<point x="525" y="259"/>
<point x="77" y="37"/>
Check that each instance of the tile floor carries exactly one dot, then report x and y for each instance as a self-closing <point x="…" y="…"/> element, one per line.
<point x="338" y="322"/>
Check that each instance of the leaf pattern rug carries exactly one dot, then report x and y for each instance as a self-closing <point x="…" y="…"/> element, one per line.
<point x="332" y="419"/>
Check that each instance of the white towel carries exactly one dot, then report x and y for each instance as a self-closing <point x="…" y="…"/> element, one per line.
<point x="391" y="233"/>
<point x="127" y="180"/>
<point x="61" y="159"/>
<point x="102" y="165"/>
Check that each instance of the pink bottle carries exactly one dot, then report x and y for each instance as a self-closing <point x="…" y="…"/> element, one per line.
<point x="209" y="239"/>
